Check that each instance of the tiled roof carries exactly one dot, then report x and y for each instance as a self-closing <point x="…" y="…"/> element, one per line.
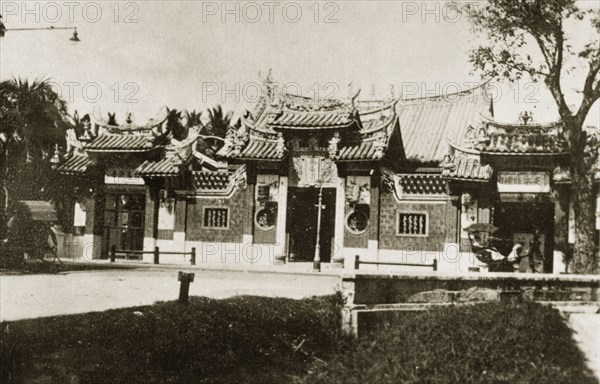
<point x="121" y="143"/>
<point x="470" y="169"/>
<point x="313" y="119"/>
<point x="164" y="167"/>
<point x="518" y="143"/>
<point x="255" y="149"/>
<point x="426" y="124"/>
<point x="495" y="137"/>
<point x="362" y="151"/>
<point x="76" y="164"/>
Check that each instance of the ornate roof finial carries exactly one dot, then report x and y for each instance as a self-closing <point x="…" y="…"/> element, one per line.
<point x="334" y="145"/>
<point x="392" y="92"/>
<point x="269" y="84"/>
<point x="280" y="148"/>
<point x="55" y="159"/>
<point x="448" y="164"/>
<point x="526" y="117"/>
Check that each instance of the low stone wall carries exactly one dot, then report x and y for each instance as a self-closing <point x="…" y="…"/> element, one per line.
<point x="375" y="296"/>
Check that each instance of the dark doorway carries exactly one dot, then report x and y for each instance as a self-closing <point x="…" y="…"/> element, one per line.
<point x="124" y="221"/>
<point x="302" y="223"/>
<point x="519" y="222"/>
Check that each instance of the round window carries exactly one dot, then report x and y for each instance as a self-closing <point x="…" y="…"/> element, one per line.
<point x="264" y="219"/>
<point x="357" y="222"/>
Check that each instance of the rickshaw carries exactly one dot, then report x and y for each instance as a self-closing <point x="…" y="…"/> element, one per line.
<point x="31" y="232"/>
<point x="485" y="247"/>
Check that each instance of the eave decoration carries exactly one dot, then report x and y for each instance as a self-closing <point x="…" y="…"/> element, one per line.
<point x="390" y="182"/>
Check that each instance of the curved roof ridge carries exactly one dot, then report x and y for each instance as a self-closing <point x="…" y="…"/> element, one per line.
<point x="498" y="123"/>
<point x="480" y="86"/>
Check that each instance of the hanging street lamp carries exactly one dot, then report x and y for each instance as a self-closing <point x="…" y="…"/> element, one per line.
<point x="74" y="38"/>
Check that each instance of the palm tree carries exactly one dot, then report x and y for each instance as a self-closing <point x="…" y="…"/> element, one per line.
<point x="193" y="119"/>
<point x="215" y="130"/>
<point x="33" y="119"/>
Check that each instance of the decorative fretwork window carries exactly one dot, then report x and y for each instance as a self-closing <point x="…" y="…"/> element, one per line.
<point x="412" y="224"/>
<point x="215" y="217"/>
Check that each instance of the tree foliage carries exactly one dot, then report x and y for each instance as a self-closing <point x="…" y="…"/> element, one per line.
<point x="33" y="119"/>
<point x="541" y="39"/>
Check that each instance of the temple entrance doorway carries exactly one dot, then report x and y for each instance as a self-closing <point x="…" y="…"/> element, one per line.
<point x="124" y="221"/>
<point x="302" y="223"/>
<point x="530" y="224"/>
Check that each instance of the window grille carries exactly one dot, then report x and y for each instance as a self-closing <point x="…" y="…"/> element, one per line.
<point x="216" y="218"/>
<point x="412" y="224"/>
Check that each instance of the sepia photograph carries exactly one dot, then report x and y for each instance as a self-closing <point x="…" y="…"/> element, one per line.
<point x="302" y="192"/>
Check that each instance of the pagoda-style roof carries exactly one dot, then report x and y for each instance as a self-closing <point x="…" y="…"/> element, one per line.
<point x="356" y="130"/>
<point x="290" y="119"/>
<point x="164" y="167"/>
<point x="493" y="137"/>
<point x="121" y="143"/>
<point x="428" y="124"/>
<point x="168" y="158"/>
<point x="76" y="164"/>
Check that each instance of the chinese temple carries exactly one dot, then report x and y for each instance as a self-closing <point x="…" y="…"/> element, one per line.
<point x="386" y="180"/>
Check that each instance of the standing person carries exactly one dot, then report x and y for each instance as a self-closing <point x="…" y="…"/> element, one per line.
<point x="535" y="256"/>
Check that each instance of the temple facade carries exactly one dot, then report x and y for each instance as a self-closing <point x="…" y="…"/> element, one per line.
<point x="386" y="180"/>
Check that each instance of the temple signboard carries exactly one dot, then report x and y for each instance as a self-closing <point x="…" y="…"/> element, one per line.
<point x="523" y="182"/>
<point x="309" y="171"/>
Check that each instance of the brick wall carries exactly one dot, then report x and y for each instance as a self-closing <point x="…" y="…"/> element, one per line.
<point x="352" y="240"/>
<point x="237" y="212"/>
<point x="436" y="237"/>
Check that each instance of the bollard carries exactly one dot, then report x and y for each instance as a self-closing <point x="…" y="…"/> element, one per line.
<point x="184" y="288"/>
<point x="113" y="253"/>
<point x="356" y="262"/>
<point x="435" y="265"/>
<point x="193" y="259"/>
<point x="156" y="254"/>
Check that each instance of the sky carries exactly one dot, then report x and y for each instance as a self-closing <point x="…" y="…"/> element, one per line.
<point x="139" y="56"/>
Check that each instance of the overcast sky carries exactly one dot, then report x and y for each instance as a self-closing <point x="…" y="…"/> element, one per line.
<point x="137" y="56"/>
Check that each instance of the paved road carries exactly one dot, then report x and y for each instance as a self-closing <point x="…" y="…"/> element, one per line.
<point x="587" y="336"/>
<point x="32" y="296"/>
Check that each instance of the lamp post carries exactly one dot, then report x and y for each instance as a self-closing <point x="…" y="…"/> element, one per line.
<point x="320" y="206"/>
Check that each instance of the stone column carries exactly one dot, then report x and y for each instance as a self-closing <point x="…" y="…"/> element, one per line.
<point x="180" y="220"/>
<point x="280" y="242"/>
<point x="561" y="229"/>
<point x="247" y="236"/>
<point x="94" y="228"/>
<point x="373" y="242"/>
<point x="150" y="223"/>
<point x="338" y="237"/>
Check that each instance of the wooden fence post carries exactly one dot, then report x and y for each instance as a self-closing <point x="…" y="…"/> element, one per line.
<point x="193" y="259"/>
<point x="356" y="262"/>
<point x="156" y="255"/>
<point x="113" y="253"/>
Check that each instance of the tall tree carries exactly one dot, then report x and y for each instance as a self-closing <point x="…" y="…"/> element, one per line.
<point x="33" y="119"/>
<point x="537" y="38"/>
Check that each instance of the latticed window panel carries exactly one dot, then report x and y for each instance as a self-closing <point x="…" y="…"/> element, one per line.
<point x="215" y="217"/>
<point x="412" y="224"/>
<point x="422" y="184"/>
